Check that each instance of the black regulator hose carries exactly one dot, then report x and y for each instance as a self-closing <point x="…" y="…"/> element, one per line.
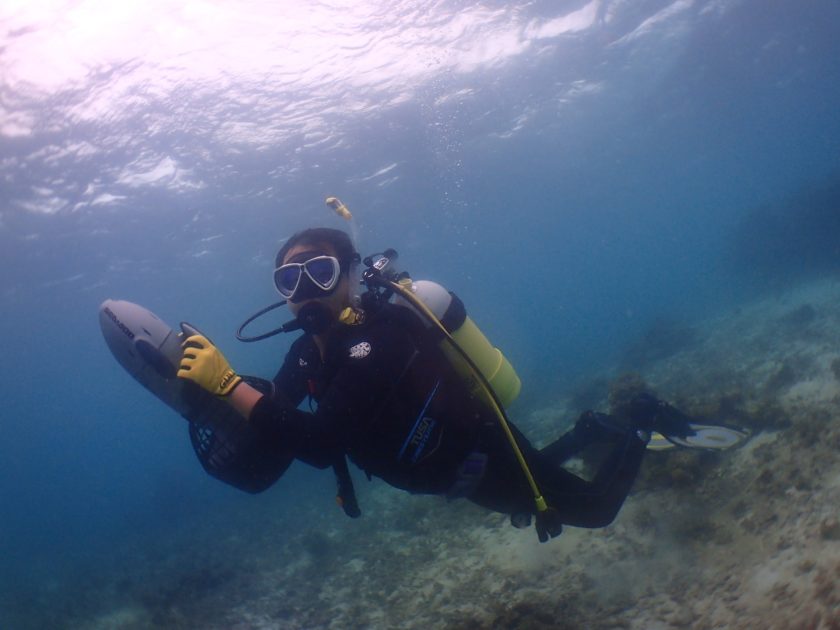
<point x="284" y="328"/>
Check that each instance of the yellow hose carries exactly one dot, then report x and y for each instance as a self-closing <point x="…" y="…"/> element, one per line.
<point x="420" y="306"/>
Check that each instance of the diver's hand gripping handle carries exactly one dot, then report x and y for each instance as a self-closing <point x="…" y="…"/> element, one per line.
<point x="205" y="365"/>
<point x="188" y="330"/>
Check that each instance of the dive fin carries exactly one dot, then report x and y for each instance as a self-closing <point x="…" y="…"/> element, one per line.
<point x="711" y="436"/>
<point x="716" y="437"/>
<point x="659" y="442"/>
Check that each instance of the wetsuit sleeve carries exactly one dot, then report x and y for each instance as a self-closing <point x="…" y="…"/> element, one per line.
<point x="294" y="431"/>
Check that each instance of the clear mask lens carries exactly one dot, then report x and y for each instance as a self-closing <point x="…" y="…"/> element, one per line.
<point x="322" y="271"/>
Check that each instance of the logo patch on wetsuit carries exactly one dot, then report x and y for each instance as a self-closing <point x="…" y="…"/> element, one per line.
<point x="420" y="437"/>
<point x="360" y="350"/>
<point x="302" y="362"/>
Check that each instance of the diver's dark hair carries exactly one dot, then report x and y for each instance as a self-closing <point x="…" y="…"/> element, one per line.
<point x="340" y="242"/>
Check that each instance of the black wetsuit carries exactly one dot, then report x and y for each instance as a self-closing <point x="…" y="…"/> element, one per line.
<point x="388" y="399"/>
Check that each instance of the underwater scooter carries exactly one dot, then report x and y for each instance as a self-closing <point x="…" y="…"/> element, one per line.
<point x="150" y="351"/>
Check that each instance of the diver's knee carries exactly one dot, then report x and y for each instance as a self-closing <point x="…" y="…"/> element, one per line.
<point x="593" y="425"/>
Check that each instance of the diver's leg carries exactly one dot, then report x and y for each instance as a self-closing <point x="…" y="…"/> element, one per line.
<point x="581" y="503"/>
<point x="563" y="448"/>
<point x="594" y="503"/>
<point x="503" y="486"/>
<point x="591" y="427"/>
<point x="597" y="503"/>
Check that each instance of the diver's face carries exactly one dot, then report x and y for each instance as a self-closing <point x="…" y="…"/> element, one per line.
<point x="337" y="300"/>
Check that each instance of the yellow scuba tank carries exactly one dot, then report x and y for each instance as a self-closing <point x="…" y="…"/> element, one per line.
<point x="490" y="361"/>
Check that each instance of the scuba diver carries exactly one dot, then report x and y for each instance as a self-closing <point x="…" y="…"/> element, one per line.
<point x="392" y="390"/>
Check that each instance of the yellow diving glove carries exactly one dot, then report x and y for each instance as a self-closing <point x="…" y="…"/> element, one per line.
<point x="204" y="365"/>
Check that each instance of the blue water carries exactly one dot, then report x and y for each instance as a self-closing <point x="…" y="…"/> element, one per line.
<point x="574" y="171"/>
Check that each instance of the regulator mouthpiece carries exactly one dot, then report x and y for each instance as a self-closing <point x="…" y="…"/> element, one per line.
<point x="315" y="318"/>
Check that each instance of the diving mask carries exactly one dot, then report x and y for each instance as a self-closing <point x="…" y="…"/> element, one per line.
<point x="312" y="278"/>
